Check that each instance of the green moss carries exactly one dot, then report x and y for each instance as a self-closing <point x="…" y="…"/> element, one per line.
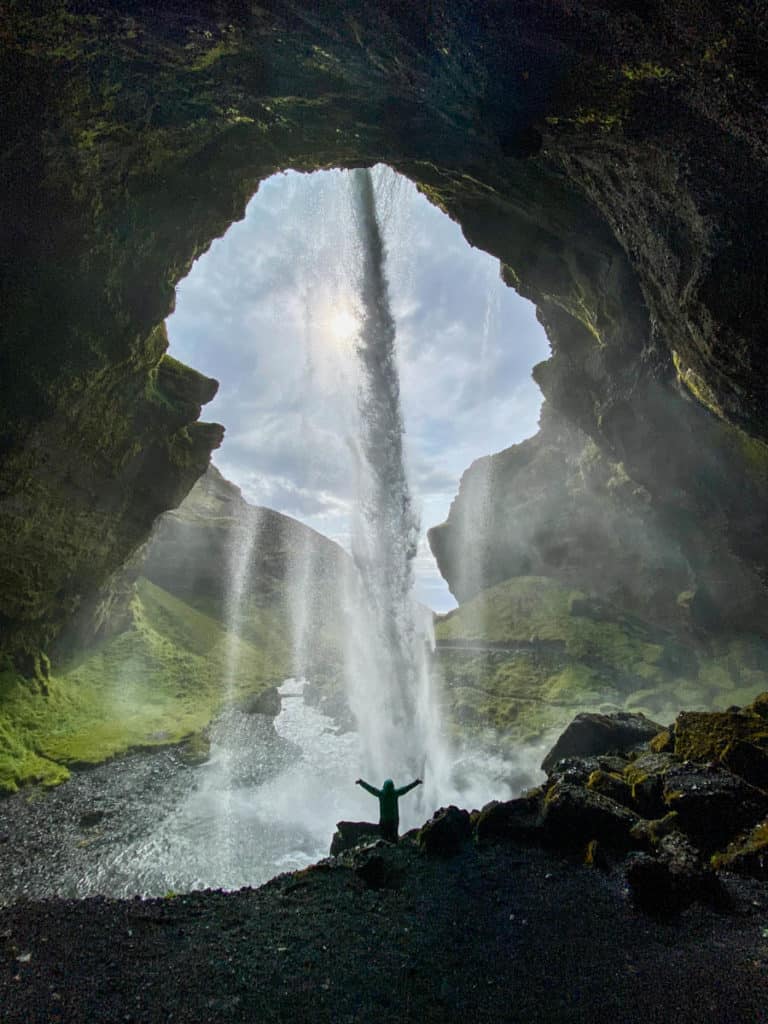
<point x="578" y="661"/>
<point x="747" y="854"/>
<point x="575" y="684"/>
<point x="704" y="737"/>
<point x="160" y="682"/>
<point x="536" y="608"/>
<point x="645" y="72"/>
<point x="697" y="386"/>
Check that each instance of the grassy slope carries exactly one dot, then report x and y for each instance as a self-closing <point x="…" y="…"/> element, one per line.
<point x="616" y="664"/>
<point x="155" y="684"/>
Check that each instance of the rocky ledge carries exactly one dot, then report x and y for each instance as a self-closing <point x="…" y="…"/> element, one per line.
<point x="667" y="810"/>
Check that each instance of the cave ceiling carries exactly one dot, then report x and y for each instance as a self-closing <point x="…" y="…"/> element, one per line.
<point x="611" y="154"/>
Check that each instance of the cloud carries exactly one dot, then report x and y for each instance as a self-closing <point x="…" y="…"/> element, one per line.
<point x="255" y="313"/>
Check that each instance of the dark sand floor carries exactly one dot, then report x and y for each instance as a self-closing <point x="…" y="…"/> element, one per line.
<point x="504" y="934"/>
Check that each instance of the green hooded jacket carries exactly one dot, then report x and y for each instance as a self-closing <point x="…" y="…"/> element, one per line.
<point x="388" y="797"/>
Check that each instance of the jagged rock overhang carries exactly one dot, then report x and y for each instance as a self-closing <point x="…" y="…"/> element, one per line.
<point x="613" y="162"/>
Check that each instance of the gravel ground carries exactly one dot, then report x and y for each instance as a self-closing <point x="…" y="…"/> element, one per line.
<point x="504" y="934"/>
<point x="62" y="841"/>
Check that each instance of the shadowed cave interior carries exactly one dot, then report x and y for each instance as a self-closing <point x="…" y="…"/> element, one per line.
<point x="612" y="160"/>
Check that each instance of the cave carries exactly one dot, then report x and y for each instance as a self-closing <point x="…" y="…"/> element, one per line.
<point x="611" y="155"/>
<point x="611" y="163"/>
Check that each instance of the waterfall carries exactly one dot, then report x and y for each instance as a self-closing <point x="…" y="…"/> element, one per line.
<point x="387" y="661"/>
<point x="241" y="554"/>
<point x="244" y="544"/>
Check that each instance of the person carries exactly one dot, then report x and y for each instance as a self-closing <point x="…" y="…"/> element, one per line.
<point x="389" y="817"/>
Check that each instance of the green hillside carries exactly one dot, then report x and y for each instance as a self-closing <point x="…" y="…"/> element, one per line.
<point x="161" y="681"/>
<point x="524" y="655"/>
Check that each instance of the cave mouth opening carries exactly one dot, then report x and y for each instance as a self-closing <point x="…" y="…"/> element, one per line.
<point x="269" y="311"/>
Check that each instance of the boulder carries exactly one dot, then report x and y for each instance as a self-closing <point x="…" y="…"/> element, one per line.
<point x="645" y="777"/>
<point x="577" y="770"/>
<point x="508" y="821"/>
<point x="268" y="702"/>
<point x="712" y="804"/>
<point x="747" y="760"/>
<point x="573" y="816"/>
<point x="590" y="734"/>
<point x="445" y="832"/>
<point x="705" y="735"/>
<point x="672" y="880"/>
<point x="747" y="855"/>
<point x="349" y="834"/>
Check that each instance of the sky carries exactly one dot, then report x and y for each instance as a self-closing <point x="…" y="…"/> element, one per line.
<point x="270" y="311"/>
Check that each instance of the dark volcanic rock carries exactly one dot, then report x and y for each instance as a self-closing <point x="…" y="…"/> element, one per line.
<point x="379" y="870"/>
<point x="445" y="832"/>
<point x="349" y="834"/>
<point x="673" y="879"/>
<point x="712" y="804"/>
<point x="509" y="821"/>
<point x="747" y="760"/>
<point x="573" y="816"/>
<point x="580" y="769"/>
<point x="592" y="733"/>
<point x="268" y="703"/>
<point x="746" y="855"/>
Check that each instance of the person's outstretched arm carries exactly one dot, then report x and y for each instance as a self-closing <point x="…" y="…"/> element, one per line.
<point x="409" y="787"/>
<point x="371" y="789"/>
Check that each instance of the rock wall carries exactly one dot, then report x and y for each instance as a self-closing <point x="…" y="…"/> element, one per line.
<point x="557" y="506"/>
<point x="612" y="156"/>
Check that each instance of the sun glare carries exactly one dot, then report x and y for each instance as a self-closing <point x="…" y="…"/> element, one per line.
<point x="343" y="326"/>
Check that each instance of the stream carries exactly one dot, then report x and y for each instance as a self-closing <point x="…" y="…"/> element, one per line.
<point x="266" y="802"/>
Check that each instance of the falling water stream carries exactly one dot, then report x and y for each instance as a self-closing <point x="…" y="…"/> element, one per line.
<point x="387" y="671"/>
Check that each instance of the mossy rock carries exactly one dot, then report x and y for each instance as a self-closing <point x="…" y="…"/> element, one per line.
<point x="645" y="777"/>
<point x="612" y="785"/>
<point x="747" y="855"/>
<point x="196" y="750"/>
<point x="651" y="832"/>
<point x="704" y="736"/>
<point x="759" y="705"/>
<point x="663" y="742"/>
